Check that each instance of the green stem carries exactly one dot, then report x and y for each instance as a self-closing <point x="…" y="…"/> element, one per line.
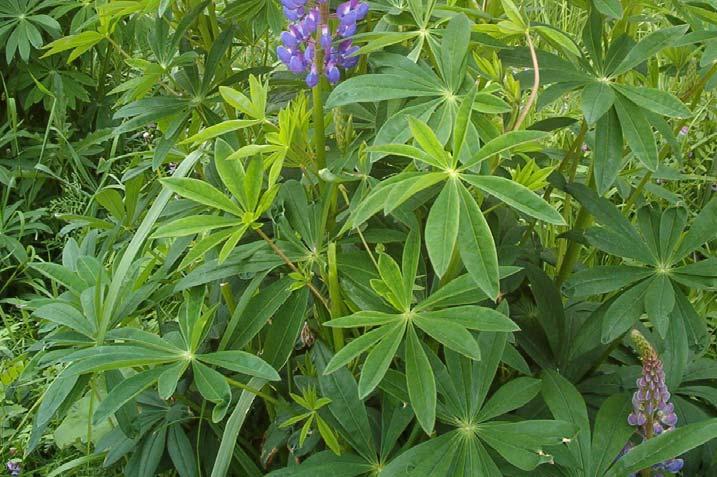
<point x="255" y="392"/>
<point x="583" y="221"/>
<point x="337" y="308"/>
<point x="318" y="100"/>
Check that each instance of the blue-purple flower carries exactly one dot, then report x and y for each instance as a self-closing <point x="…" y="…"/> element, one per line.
<point x="311" y="28"/>
<point x="652" y="413"/>
<point x="13" y="468"/>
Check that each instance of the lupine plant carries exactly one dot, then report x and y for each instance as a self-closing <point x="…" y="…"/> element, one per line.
<point x="364" y="238"/>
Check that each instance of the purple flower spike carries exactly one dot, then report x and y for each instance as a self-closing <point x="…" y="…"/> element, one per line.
<point x="307" y="32"/>
<point x="652" y="412"/>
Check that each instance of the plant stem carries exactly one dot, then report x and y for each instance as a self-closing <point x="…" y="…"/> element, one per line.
<point x="583" y="221"/>
<point x="256" y="392"/>
<point x="536" y="83"/>
<point x="318" y="100"/>
<point x="293" y="267"/>
<point x="337" y="308"/>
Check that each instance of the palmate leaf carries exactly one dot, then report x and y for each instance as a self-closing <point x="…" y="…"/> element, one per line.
<point x="611" y="432"/>
<point x="597" y="99"/>
<point x="476" y="245"/>
<point x="125" y="392"/>
<point x="607" y="152"/>
<point x="201" y="192"/>
<point x="420" y="381"/>
<point x="516" y="196"/>
<point x="512" y="395"/>
<point x="503" y="143"/>
<point x="379" y="359"/>
<point x="649" y="46"/>
<point x="424" y="136"/>
<point x="442" y="227"/>
<point x="566" y="404"/>
<point x="450" y="334"/>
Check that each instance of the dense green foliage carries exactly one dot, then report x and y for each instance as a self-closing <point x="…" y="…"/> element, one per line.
<point x="432" y="263"/>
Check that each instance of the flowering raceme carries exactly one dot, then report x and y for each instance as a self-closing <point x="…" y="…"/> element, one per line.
<point x="652" y="412"/>
<point x="310" y="29"/>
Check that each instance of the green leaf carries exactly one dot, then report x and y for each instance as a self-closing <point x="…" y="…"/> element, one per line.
<point x="659" y="302"/>
<point x="364" y="318"/>
<point x="428" y="141"/>
<point x="649" y="46"/>
<point x="213" y="386"/>
<point x="637" y="131"/>
<point x="665" y="446"/>
<point x="566" y="404"/>
<point x="598" y="97"/>
<point x="503" y="143"/>
<point x="611" y="432"/>
<point x="345" y="406"/>
<point x="231" y="430"/>
<point x="392" y="277"/>
<point x="67" y="315"/>
<point x="607" y="153"/>
<point x="557" y="39"/>
<point x="409" y="262"/>
<point x="378" y="87"/>
<point x="702" y="229"/>
<point x="257" y="312"/>
<point x="404" y="190"/>
<point x="231" y="172"/>
<point x="55" y="394"/>
<point x="379" y="359"/>
<point x="111" y="200"/>
<point x="454" y="46"/>
<point x="655" y="100"/>
<point x="61" y="275"/>
<point x="241" y="362"/>
<point x="442" y="227"/>
<point x="517" y="196"/>
<point x="463" y="120"/>
<point x="375" y="199"/>
<point x="167" y="381"/>
<point x="477" y="247"/>
<point x="523" y="443"/>
<point x="420" y="381"/>
<point x="512" y="395"/>
<point x="355" y="347"/>
<point x="512" y="12"/>
<point x="125" y="392"/>
<point x="286" y="326"/>
<point x="450" y="334"/>
<point x="404" y="150"/>
<point x="624" y="312"/>
<point x="325" y="463"/>
<point x="603" y="279"/>
<point x="474" y="318"/>
<point x="195" y="224"/>
<point x="220" y="129"/>
<point x="181" y="452"/>
<point x="328" y="435"/>
<point x="202" y="192"/>
<point x="609" y="8"/>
